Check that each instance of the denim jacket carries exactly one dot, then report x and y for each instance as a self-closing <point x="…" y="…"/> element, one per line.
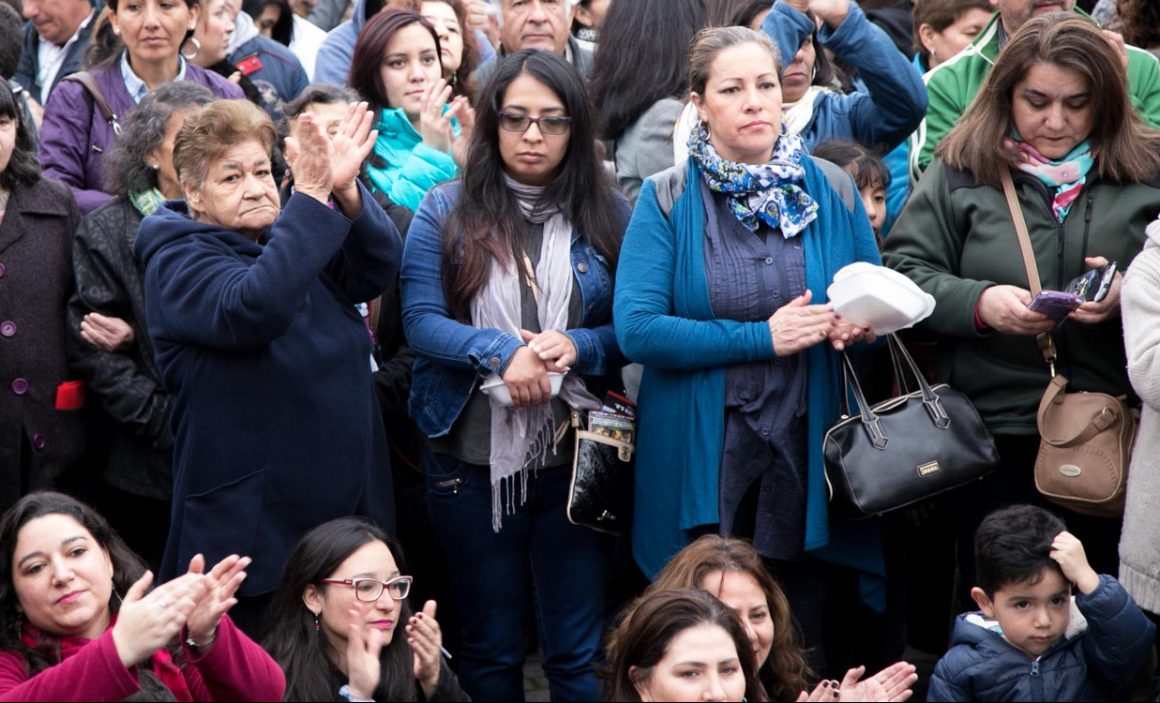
<point x="453" y="356"/>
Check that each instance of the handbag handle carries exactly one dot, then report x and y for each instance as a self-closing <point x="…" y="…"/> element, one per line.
<point x="930" y="399"/>
<point x="1046" y="345"/>
<point x="1097" y="424"/>
<point x="870" y="421"/>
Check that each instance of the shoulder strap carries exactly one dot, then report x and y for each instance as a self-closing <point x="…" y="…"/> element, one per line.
<point x="86" y="80"/>
<point x="1046" y="346"/>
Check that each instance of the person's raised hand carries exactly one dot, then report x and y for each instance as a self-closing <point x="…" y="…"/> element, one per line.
<point x="222" y="583"/>
<point x="1118" y="45"/>
<point x="426" y="640"/>
<point x="363" y="646"/>
<point x="891" y="684"/>
<point x="434" y="122"/>
<point x="824" y="691"/>
<point x="106" y="333"/>
<point x="1067" y="551"/>
<point x="148" y="622"/>
<point x="555" y="349"/>
<point x="461" y="109"/>
<point x="309" y="155"/>
<point x="832" y="12"/>
<point x="1090" y="313"/>
<point x="353" y="143"/>
<point x="1004" y="309"/>
<point x="526" y="377"/>
<point x="797" y="325"/>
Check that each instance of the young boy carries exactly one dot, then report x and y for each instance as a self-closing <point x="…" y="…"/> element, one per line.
<point x="1030" y="643"/>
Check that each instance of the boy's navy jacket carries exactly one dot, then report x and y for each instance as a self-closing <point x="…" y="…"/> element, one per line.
<point x="1095" y="664"/>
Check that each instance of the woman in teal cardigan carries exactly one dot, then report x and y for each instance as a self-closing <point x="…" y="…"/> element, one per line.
<point x="741" y="378"/>
<point x="398" y="70"/>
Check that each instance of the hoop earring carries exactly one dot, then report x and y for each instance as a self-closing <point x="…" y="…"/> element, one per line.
<point x="196" y="49"/>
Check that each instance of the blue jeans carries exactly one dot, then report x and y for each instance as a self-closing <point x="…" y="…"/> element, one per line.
<point x="538" y="558"/>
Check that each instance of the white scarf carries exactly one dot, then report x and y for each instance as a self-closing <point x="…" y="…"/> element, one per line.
<point x="521" y="435"/>
<point x="796" y="116"/>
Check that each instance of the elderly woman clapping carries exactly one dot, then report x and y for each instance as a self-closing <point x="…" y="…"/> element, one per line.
<point x="252" y="314"/>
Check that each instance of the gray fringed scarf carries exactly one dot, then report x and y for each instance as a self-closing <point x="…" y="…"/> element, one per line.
<point x="520" y="435"/>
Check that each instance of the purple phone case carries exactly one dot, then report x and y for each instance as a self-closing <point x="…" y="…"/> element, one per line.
<point x="1055" y="304"/>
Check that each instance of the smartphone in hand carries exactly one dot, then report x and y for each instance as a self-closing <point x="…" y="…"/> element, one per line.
<point x="1055" y="304"/>
<point x="1094" y="285"/>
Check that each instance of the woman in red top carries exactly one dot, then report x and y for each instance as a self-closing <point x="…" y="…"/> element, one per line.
<point x="81" y="623"/>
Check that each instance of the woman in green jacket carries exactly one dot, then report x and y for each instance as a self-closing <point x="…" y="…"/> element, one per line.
<point x="1055" y="112"/>
<point x="421" y="136"/>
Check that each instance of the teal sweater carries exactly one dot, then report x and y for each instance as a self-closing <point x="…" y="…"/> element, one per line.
<point x="407" y="168"/>
<point x="664" y="319"/>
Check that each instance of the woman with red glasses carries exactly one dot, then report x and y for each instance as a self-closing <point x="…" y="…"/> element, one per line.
<point x="334" y="623"/>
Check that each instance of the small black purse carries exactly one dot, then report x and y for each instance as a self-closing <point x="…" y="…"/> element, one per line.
<point x="600" y="496"/>
<point x="904" y="449"/>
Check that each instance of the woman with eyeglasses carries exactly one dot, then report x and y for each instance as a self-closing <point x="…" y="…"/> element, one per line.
<point x="333" y="624"/>
<point x="507" y="274"/>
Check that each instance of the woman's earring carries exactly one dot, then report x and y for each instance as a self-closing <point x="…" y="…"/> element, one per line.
<point x="317" y="626"/>
<point x="196" y="48"/>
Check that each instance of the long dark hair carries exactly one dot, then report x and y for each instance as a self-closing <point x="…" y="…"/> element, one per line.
<point x="634" y="69"/>
<point x="486" y="214"/>
<point x="645" y="633"/>
<point x="23" y="166"/>
<point x="290" y="636"/>
<point x="127" y="566"/>
<point x="1124" y="148"/>
<point x="365" y="74"/>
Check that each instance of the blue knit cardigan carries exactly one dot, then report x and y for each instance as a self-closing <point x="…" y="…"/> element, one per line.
<point x="664" y="320"/>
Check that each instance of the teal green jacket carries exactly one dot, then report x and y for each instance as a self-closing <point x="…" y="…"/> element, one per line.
<point x="664" y="319"/>
<point x="402" y="166"/>
<point x="952" y="85"/>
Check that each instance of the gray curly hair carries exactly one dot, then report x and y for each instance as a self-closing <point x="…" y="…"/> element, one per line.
<point x="126" y="168"/>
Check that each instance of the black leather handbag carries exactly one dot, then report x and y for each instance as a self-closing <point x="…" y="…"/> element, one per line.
<point x="601" y="492"/>
<point x="904" y="449"/>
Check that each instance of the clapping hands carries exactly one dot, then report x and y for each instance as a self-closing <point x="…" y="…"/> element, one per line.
<point x="322" y="165"/>
<point x="435" y="121"/>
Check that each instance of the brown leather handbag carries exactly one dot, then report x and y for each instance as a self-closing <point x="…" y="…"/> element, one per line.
<point x="1086" y="439"/>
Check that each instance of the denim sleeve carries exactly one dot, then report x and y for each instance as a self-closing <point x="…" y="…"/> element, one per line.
<point x="427" y="322"/>
<point x="895" y="99"/>
<point x="788" y="29"/>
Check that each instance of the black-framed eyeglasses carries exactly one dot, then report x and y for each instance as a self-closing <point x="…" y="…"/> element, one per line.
<point x="369" y="590"/>
<point x="548" y="124"/>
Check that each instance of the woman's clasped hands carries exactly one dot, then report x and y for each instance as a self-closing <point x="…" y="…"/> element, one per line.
<point x="798" y="325"/>
<point x="150" y="620"/>
<point x="526" y="375"/>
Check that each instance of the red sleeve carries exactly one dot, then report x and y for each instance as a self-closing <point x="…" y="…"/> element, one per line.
<point x="93" y="673"/>
<point x="234" y="669"/>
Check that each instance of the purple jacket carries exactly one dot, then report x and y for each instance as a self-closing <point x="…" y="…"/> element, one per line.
<point x="73" y="138"/>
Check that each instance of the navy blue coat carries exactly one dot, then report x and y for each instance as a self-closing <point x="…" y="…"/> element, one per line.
<point x="276" y="425"/>
<point x="1097" y="664"/>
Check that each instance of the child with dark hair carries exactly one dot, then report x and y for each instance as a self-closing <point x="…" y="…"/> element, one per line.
<point x="1032" y="640"/>
<point x="869" y="172"/>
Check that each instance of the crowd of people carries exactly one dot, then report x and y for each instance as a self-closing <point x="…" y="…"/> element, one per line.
<point x="307" y="308"/>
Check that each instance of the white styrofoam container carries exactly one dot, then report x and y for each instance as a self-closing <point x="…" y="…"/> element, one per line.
<point x="879" y="297"/>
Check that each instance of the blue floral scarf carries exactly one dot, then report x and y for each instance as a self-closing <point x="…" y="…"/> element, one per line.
<point x="767" y="192"/>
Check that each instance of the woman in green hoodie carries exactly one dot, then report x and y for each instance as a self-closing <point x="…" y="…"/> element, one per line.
<point x="398" y="70"/>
